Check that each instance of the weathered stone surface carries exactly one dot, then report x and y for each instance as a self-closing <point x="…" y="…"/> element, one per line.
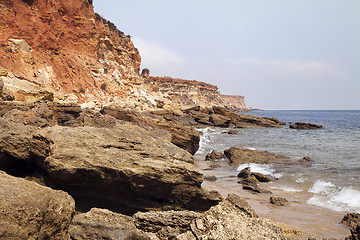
<point x="183" y="137"/>
<point x="301" y="125"/>
<point x="167" y="224"/>
<point x="5" y="94"/>
<point x="279" y="201"/>
<point x="355" y="233"/>
<point x="104" y="224"/>
<point x="244" y="155"/>
<point x="219" y="120"/>
<point x="214" y="155"/>
<point x="244" y="173"/>
<point x="261" y="177"/>
<point x="351" y="219"/>
<point x="123" y="168"/>
<point x="233" y="132"/>
<point x="31" y="211"/>
<point x="230" y="219"/>
<point x="253" y="187"/>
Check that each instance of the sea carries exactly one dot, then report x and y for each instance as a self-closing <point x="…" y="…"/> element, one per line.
<point x="333" y="179"/>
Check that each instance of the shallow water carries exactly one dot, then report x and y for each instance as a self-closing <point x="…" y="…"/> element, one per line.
<point x="332" y="183"/>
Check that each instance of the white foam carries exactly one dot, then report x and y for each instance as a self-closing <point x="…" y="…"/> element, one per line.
<point x="327" y="195"/>
<point x="204" y="140"/>
<point x="250" y="148"/>
<point x="300" y="180"/>
<point x="259" y="168"/>
<point x="286" y="189"/>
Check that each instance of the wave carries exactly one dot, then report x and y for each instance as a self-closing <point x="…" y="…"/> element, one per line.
<point x="260" y="168"/>
<point x="327" y="195"/>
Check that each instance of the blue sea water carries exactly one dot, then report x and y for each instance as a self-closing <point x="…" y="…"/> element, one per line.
<point x="334" y="176"/>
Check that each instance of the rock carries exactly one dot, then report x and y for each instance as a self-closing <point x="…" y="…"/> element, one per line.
<point x="351" y="219"/>
<point x="279" y="201"/>
<point x="254" y="187"/>
<point x="244" y="173"/>
<point x="355" y="233"/>
<point x="183" y="137"/>
<point x="301" y="125"/>
<point x="261" y="177"/>
<point x="233" y="132"/>
<point x="5" y="94"/>
<point x="233" y="219"/>
<point x="219" y="120"/>
<point x="18" y="45"/>
<point x="243" y="155"/>
<point x="166" y="224"/>
<point x="31" y="211"/>
<point x="210" y="178"/>
<point x="123" y="169"/>
<point x="275" y="120"/>
<point x="214" y="155"/>
<point x="3" y="72"/>
<point x="103" y="224"/>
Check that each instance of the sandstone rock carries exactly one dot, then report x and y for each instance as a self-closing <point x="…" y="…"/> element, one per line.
<point x="210" y="178"/>
<point x="5" y="94"/>
<point x="244" y="155"/>
<point x="261" y="177"/>
<point x="167" y="224"/>
<point x="183" y="137"/>
<point x="214" y="155"/>
<point x="123" y="169"/>
<point x="103" y="224"/>
<point x="219" y="120"/>
<point x="254" y="187"/>
<point x="3" y="72"/>
<point x="233" y="219"/>
<point x="31" y="211"/>
<point x="355" y="233"/>
<point x="300" y="125"/>
<point x="279" y="201"/>
<point x="18" y="45"/>
<point x="351" y="219"/>
<point x="244" y="173"/>
<point x="275" y="120"/>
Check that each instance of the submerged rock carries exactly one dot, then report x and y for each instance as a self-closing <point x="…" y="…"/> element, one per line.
<point x="104" y="224"/>
<point x="31" y="211"/>
<point x="279" y="201"/>
<point x="301" y="125"/>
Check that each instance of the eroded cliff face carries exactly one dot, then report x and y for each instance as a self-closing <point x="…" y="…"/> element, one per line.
<point x="63" y="51"/>
<point x="192" y="93"/>
<point x="63" y="47"/>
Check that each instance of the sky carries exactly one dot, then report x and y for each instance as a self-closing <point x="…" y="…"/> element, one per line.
<point x="279" y="54"/>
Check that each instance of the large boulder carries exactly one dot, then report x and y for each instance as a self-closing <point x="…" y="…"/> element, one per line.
<point x="31" y="211"/>
<point x="243" y="155"/>
<point x="219" y="120"/>
<point x="214" y="155"/>
<point x="104" y="224"/>
<point x="124" y="169"/>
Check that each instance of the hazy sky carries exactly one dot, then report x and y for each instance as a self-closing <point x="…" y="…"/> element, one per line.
<point x="279" y="54"/>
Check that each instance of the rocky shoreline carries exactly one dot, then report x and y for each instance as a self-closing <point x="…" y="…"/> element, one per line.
<point x="109" y="164"/>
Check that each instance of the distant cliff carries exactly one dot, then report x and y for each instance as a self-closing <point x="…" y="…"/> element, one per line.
<point x="63" y="51"/>
<point x="190" y="93"/>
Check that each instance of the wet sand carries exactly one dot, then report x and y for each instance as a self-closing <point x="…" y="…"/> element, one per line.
<point x="311" y="219"/>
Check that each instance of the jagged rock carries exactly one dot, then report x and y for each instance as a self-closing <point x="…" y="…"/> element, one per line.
<point x="219" y="120"/>
<point x="279" y="201"/>
<point x="244" y="155"/>
<point x="275" y="120"/>
<point x="351" y="219"/>
<point x="301" y="125"/>
<point x="355" y="233"/>
<point x="31" y="211"/>
<point x="167" y="224"/>
<point x="123" y="169"/>
<point x="103" y="224"/>
<point x="233" y="219"/>
<point x="5" y="94"/>
<point x="214" y="155"/>
<point x="255" y="188"/>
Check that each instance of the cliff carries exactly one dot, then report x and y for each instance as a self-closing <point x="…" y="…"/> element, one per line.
<point x="64" y="52"/>
<point x="63" y="47"/>
<point x="182" y="92"/>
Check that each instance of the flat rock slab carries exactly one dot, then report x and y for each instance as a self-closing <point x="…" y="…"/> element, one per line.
<point x="123" y="169"/>
<point x="31" y="211"/>
<point x="304" y="126"/>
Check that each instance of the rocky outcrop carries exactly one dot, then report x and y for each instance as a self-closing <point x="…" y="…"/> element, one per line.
<point x="214" y="155"/>
<point x="5" y="94"/>
<point x="31" y="211"/>
<point x="232" y="218"/>
<point x="123" y="168"/>
<point x="301" y="125"/>
<point x="235" y="102"/>
<point x="355" y="233"/>
<point x="104" y="224"/>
